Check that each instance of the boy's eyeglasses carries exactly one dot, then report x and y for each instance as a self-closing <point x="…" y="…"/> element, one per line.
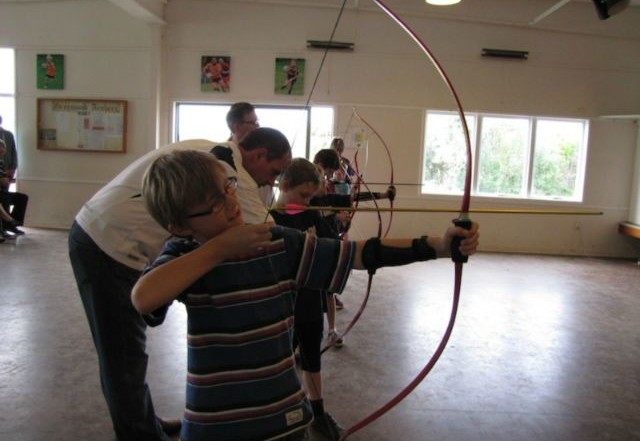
<point x="218" y="202"/>
<point x="253" y="123"/>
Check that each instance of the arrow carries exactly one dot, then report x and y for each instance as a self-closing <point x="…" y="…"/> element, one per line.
<point x="298" y="208"/>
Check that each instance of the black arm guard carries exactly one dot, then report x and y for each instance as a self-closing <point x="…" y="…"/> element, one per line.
<point x="375" y="195"/>
<point x="367" y="196"/>
<point x="375" y="255"/>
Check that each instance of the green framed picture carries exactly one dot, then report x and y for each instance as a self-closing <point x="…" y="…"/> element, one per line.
<point x="50" y="71"/>
<point x="289" y="76"/>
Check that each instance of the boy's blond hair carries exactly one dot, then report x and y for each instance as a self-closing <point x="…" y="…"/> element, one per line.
<point x="178" y="181"/>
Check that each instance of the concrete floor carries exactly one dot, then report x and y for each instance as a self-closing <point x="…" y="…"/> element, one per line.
<point x="544" y="348"/>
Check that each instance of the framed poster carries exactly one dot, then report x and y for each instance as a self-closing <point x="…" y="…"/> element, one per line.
<point x="82" y="125"/>
<point x="289" y="76"/>
<point x="215" y="73"/>
<point x="50" y="71"/>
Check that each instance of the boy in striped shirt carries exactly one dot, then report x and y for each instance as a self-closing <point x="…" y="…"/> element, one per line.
<point x="238" y="283"/>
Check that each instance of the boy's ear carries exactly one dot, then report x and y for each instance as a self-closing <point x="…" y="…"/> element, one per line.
<point x="258" y="154"/>
<point x="180" y="231"/>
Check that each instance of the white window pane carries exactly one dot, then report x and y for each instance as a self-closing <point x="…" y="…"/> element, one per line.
<point x="445" y="150"/>
<point x="321" y="129"/>
<point x="556" y="163"/>
<point x="8" y="111"/>
<point x="7" y="72"/>
<point x="206" y="121"/>
<point x="503" y="156"/>
<point x="291" y="122"/>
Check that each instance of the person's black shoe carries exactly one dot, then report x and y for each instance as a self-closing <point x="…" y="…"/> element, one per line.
<point x="327" y="427"/>
<point x="170" y="427"/>
<point x="6" y="235"/>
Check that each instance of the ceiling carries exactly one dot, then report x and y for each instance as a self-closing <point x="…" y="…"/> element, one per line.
<point x="573" y="16"/>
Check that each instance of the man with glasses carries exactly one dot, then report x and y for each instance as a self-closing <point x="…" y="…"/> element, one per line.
<point x="111" y="241"/>
<point x="254" y="164"/>
<point x="241" y="119"/>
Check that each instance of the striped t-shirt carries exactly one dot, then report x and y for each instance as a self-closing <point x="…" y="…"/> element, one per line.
<point x="241" y="381"/>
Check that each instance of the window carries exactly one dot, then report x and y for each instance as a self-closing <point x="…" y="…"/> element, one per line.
<point x="514" y="156"/>
<point x="503" y="156"/>
<point x="7" y="93"/>
<point x="445" y="153"/>
<point x="307" y="129"/>
<point x="559" y="157"/>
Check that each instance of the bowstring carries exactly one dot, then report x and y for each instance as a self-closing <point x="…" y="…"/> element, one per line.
<point x="325" y="53"/>
<point x="458" y="265"/>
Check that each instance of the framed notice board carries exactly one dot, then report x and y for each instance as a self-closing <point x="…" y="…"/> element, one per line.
<point x="82" y="125"/>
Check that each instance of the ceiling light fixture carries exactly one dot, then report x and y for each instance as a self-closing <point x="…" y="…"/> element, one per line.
<point x="442" y="2"/>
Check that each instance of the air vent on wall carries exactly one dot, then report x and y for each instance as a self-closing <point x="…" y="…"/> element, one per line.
<point x="504" y="53"/>
<point x="330" y="45"/>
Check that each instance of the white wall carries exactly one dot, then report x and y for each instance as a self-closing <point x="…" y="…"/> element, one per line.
<point x="107" y="54"/>
<point x="389" y="81"/>
<point x="386" y="78"/>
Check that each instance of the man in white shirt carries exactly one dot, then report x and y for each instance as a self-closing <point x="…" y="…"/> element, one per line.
<point x="114" y="237"/>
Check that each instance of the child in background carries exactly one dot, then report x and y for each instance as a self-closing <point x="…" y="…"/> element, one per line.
<point x="328" y="162"/>
<point x="299" y="183"/>
<point x="238" y="283"/>
<point x="350" y="175"/>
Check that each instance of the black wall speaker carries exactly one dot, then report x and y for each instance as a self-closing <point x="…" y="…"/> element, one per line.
<point x="607" y="8"/>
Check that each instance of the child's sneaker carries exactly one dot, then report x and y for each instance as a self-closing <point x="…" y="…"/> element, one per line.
<point x="327" y="427"/>
<point x="335" y="340"/>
